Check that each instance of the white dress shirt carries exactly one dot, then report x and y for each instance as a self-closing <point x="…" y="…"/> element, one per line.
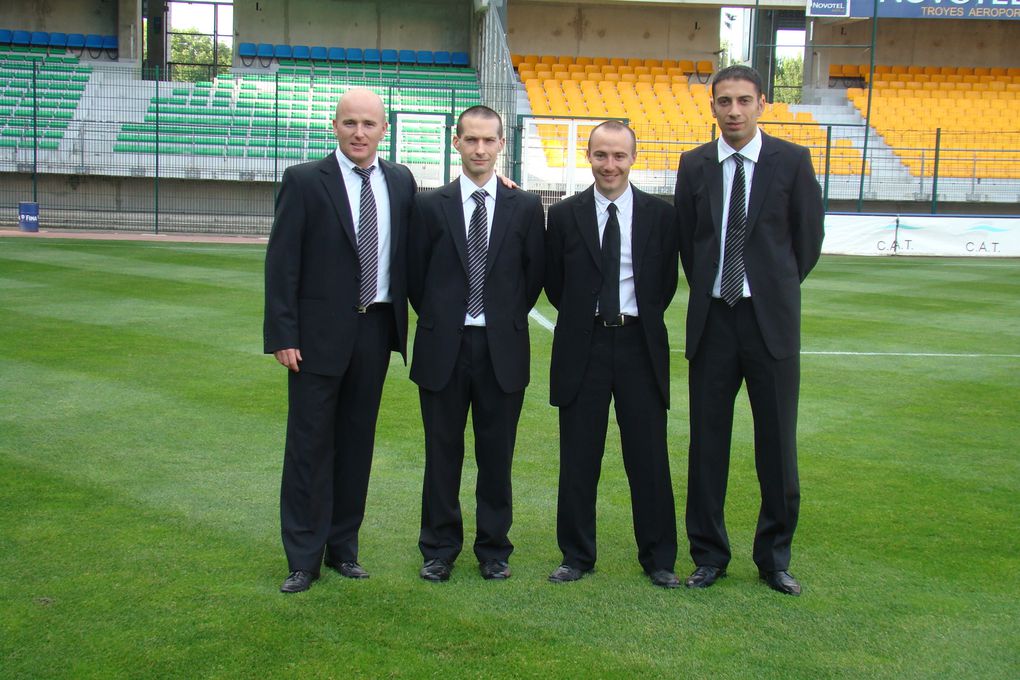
<point x="352" y="182"/>
<point x="750" y="154"/>
<point x="625" y="216"/>
<point x="467" y="188"/>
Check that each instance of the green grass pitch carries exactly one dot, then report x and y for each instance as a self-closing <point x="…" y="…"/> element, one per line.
<point x="141" y="437"/>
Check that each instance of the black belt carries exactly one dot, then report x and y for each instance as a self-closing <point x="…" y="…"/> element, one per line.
<point x="618" y="321"/>
<point x="374" y="307"/>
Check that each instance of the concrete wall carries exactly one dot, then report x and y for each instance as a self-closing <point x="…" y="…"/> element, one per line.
<point x="396" y="24"/>
<point x="66" y="16"/>
<point x="584" y="30"/>
<point x="933" y="42"/>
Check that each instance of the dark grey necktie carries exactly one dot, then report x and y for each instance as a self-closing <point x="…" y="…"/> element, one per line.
<point x="368" y="239"/>
<point x="478" y="241"/>
<point x="609" y="295"/>
<point x="732" y="286"/>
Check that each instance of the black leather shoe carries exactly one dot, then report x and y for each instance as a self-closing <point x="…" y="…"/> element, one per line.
<point x="494" y="570"/>
<point x="781" y="581"/>
<point x="436" y="570"/>
<point x="704" y="576"/>
<point x="566" y="573"/>
<point x="298" y="581"/>
<point x="664" y="578"/>
<point x="348" y="569"/>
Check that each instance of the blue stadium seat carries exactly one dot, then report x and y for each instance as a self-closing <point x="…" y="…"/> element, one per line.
<point x="75" y="41"/>
<point x="94" y="44"/>
<point x="372" y="56"/>
<point x="408" y="57"/>
<point x="355" y="54"/>
<point x="319" y="54"/>
<point x="40" y="39"/>
<point x="110" y="46"/>
<point x="388" y="56"/>
<point x="22" y="38"/>
<point x="302" y="52"/>
<point x="265" y="54"/>
<point x="58" y="41"/>
<point x="5" y="36"/>
<point x="441" y="58"/>
<point x="460" y="59"/>
<point x="424" y="57"/>
<point x="247" y="52"/>
<point x="337" y="54"/>
<point x="283" y="52"/>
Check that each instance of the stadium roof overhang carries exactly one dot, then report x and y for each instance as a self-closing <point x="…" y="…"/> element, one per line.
<point x="765" y="4"/>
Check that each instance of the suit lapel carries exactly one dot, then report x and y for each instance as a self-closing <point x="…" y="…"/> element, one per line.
<point x="505" y="204"/>
<point x="397" y="225"/>
<point x="587" y="223"/>
<point x="453" y="208"/>
<point x="714" y="181"/>
<point x="333" y="181"/>
<point x="764" y="171"/>
<point x="640" y="226"/>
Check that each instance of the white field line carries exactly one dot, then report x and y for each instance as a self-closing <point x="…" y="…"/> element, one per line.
<point x="545" y="323"/>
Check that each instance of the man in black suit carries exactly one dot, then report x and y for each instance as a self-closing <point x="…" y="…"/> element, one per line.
<point x="611" y="343"/>
<point x="475" y="263"/>
<point x="750" y="218"/>
<point x="336" y="306"/>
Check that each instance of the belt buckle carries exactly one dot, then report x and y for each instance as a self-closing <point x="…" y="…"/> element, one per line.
<point x="616" y="323"/>
<point x="361" y="309"/>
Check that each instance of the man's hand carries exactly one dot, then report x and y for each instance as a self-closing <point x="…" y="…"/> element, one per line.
<point x="506" y="181"/>
<point x="289" y="357"/>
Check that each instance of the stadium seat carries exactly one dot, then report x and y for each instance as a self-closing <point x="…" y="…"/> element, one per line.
<point x="76" y="43"/>
<point x="319" y="54"/>
<point x="40" y="39"/>
<point x="301" y="52"/>
<point x="408" y="57"/>
<point x="388" y="56"/>
<point x="110" y="46"/>
<point x="246" y="52"/>
<point x="372" y="56"/>
<point x="424" y="57"/>
<point x="265" y="54"/>
<point x="355" y="54"/>
<point x="336" y="54"/>
<point x="58" y="41"/>
<point x="21" y="38"/>
<point x="460" y="59"/>
<point x="94" y="45"/>
<point x="441" y="58"/>
<point x="283" y="52"/>
<point x="5" y="36"/>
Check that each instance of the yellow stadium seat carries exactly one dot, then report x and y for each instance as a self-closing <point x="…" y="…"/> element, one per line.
<point x="548" y="60"/>
<point x="583" y="61"/>
<point x="600" y="61"/>
<point x="705" y="67"/>
<point x="687" y="66"/>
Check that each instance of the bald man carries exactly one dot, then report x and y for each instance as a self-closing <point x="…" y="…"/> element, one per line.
<point x="336" y="306"/>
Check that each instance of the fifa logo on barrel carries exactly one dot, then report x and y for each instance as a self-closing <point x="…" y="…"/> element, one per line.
<point x="28" y="216"/>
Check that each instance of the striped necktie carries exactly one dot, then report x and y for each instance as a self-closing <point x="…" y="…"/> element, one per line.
<point x="368" y="239"/>
<point x="731" y="287"/>
<point x="478" y="240"/>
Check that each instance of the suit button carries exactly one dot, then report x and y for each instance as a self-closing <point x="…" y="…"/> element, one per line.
<point x="460" y="330"/>
<point x="594" y="291"/>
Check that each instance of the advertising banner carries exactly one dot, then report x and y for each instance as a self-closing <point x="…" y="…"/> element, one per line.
<point x="930" y="235"/>
<point x="932" y="9"/>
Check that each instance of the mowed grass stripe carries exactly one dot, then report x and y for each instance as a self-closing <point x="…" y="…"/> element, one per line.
<point x="164" y="451"/>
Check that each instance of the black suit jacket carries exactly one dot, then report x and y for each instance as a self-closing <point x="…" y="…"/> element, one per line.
<point x="573" y="279"/>
<point x="312" y="270"/>
<point x="784" y="237"/>
<point x="438" y="283"/>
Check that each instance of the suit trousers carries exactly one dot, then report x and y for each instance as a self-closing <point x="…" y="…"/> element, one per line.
<point x="732" y="351"/>
<point x="330" y="437"/>
<point x="620" y="369"/>
<point x="494" y="415"/>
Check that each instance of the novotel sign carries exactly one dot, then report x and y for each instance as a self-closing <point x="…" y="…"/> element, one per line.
<point x="929" y="9"/>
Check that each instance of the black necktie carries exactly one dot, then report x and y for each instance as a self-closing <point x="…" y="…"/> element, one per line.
<point x="609" y="296"/>
<point x="732" y="286"/>
<point x="478" y="241"/>
<point x="368" y="239"/>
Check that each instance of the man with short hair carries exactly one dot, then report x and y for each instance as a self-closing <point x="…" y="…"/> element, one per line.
<point x="750" y="217"/>
<point x="475" y="265"/>
<point x="611" y="254"/>
<point x="336" y="306"/>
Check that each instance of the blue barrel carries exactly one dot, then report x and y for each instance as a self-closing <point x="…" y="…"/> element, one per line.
<point x="28" y="216"/>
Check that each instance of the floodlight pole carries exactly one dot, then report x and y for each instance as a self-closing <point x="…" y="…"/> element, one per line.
<point x="871" y="90"/>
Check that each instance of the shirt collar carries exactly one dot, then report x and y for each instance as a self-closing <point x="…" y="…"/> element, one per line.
<point x="347" y="165"/>
<point x="623" y="202"/>
<point x="467" y="187"/>
<point x="751" y="150"/>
